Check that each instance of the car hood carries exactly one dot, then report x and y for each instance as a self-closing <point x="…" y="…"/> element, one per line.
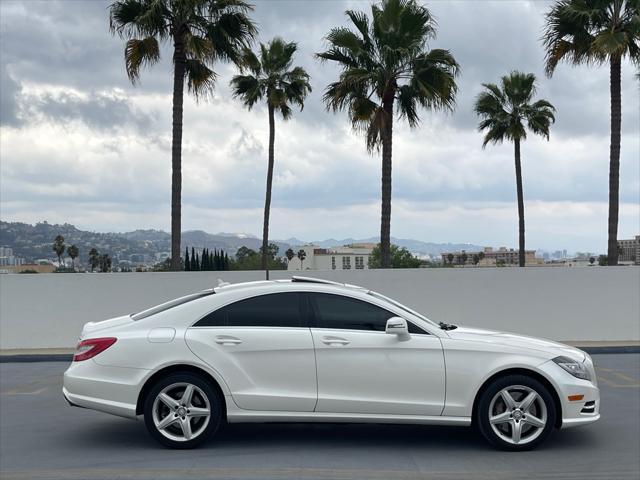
<point x="497" y="338"/>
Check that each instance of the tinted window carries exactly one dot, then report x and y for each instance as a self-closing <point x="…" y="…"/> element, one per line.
<point x="274" y="310"/>
<point x="336" y="311"/>
<point x="416" y="329"/>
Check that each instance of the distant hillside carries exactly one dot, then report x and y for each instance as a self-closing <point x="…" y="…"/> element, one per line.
<point x="34" y="242"/>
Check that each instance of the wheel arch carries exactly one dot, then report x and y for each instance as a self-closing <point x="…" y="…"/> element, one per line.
<point x="520" y="371"/>
<point x="178" y="368"/>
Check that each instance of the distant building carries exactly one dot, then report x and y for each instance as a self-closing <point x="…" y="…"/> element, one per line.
<point x="7" y="258"/>
<point x="491" y="258"/>
<point x="629" y="251"/>
<point x="349" y="257"/>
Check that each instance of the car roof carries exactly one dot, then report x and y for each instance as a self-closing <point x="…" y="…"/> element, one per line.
<point x="296" y="281"/>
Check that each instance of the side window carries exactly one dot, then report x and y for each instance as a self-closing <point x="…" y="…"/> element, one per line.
<point x="336" y="311"/>
<point x="273" y="310"/>
<point x="413" y="328"/>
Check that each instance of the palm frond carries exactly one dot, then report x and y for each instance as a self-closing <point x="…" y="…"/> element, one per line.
<point x="591" y="32"/>
<point x="271" y="78"/>
<point x="248" y="88"/>
<point x="505" y="110"/>
<point x="384" y="55"/>
<point x="201" y="80"/>
<point x="139" y="54"/>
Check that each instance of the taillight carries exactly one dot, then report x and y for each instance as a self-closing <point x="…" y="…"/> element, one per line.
<point x="91" y="347"/>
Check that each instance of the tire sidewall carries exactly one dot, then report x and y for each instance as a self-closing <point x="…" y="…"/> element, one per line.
<point x="215" y="402"/>
<point x="482" y="413"/>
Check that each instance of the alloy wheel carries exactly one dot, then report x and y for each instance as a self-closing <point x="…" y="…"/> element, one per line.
<point x="181" y="412"/>
<point x="517" y="414"/>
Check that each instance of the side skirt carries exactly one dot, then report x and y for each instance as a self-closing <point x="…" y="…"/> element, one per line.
<point x="248" y="416"/>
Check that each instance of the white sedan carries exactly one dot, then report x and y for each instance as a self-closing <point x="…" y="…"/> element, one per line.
<point x="307" y="350"/>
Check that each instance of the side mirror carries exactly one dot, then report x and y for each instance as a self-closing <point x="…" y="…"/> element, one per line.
<point x="397" y="326"/>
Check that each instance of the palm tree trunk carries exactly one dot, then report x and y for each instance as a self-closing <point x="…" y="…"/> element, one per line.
<point x="385" y="220"/>
<point x="614" y="160"/>
<point x="267" y="198"/>
<point x="521" y="251"/>
<point x="179" y="67"/>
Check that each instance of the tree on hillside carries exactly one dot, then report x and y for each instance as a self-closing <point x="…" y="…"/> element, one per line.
<point x="270" y="76"/>
<point x="94" y="258"/>
<point x="58" y="248"/>
<point x="597" y="32"/>
<point x="202" y="32"/>
<point x="301" y="256"/>
<point x="505" y="112"/>
<point x="105" y="263"/>
<point x="73" y="251"/>
<point x="387" y="70"/>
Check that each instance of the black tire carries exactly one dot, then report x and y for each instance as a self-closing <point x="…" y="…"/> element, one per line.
<point x="532" y="436"/>
<point x="216" y="406"/>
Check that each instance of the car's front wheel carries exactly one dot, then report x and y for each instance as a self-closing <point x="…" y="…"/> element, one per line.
<point x="516" y="412"/>
<point x="182" y="410"/>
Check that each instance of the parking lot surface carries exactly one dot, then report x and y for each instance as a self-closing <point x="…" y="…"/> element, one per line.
<point x="41" y="437"/>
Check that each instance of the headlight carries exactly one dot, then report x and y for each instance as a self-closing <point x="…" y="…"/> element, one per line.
<point x="575" y="368"/>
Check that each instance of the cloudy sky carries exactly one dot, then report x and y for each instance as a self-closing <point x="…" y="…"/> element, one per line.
<point x="79" y="144"/>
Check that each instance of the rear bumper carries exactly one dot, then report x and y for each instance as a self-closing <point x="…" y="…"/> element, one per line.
<point x="111" y="390"/>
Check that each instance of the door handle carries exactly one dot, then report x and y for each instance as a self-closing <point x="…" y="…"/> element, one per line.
<point x="335" y="341"/>
<point x="226" y="340"/>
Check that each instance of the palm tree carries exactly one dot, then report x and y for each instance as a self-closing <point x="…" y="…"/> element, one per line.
<point x="94" y="258"/>
<point x="289" y="254"/>
<point x="504" y="111"/>
<point x="385" y="65"/>
<point x="598" y="32"/>
<point x="201" y="33"/>
<point x="270" y="76"/>
<point x="73" y="251"/>
<point x="58" y="248"/>
<point x="301" y="256"/>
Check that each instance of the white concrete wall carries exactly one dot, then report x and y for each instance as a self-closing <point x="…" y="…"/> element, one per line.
<point x="571" y="304"/>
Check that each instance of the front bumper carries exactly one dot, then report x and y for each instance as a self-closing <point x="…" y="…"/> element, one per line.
<point x="111" y="390"/>
<point x="580" y="412"/>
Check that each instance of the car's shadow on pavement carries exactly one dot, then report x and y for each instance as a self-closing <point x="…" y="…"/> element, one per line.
<point x="128" y="434"/>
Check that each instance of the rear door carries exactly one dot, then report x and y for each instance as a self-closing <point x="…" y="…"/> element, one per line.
<point x="362" y="369"/>
<point x="263" y="349"/>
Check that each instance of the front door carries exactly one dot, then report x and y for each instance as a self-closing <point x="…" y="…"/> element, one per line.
<point x="362" y="369"/>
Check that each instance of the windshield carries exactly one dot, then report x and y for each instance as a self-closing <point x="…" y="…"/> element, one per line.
<point x="399" y="305"/>
<point x="173" y="303"/>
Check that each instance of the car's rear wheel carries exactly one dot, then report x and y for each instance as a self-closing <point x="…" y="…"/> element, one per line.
<point x="516" y="412"/>
<point x="182" y="410"/>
